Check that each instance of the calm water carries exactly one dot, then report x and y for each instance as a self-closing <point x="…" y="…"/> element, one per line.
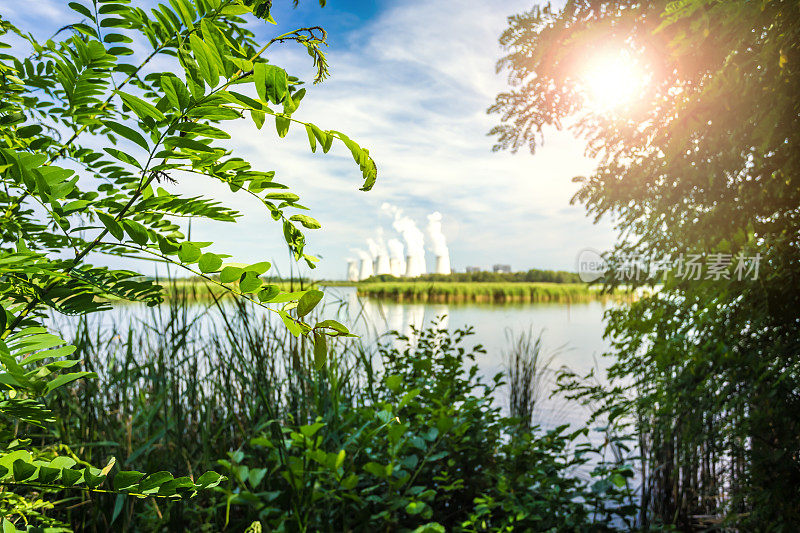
<point x="572" y="334"/>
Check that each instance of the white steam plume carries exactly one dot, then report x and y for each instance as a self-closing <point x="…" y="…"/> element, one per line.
<point x="438" y="243"/>
<point x="415" y="240"/>
<point x="374" y="250"/>
<point x="438" y="240"/>
<point x="366" y="269"/>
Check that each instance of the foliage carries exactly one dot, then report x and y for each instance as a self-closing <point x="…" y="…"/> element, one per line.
<point x="93" y="137"/>
<point x="425" y="450"/>
<point x="404" y="437"/>
<point x="704" y="162"/>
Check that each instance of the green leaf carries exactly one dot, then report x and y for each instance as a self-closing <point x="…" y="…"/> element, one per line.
<point x="136" y="232"/>
<point x="126" y="479"/>
<point x="308" y="302"/>
<point x="48" y="475"/>
<point x="209" y="262"/>
<point x="122" y="156"/>
<point x="167" y="246"/>
<point x="128" y="133"/>
<point x="250" y="282"/>
<point x="91" y="480"/>
<point x="324" y="138"/>
<point x="350" y="481"/>
<point x="293" y="327"/>
<point x="339" y="328"/>
<point x="377" y="469"/>
<point x="188" y="144"/>
<point x="153" y="482"/>
<point x="258" y="268"/>
<point x="236" y="9"/>
<point x="203" y="130"/>
<point x="320" y="350"/>
<point x="230" y="274"/>
<point x="306" y="221"/>
<point x="23" y="470"/>
<point x="69" y="477"/>
<point x="282" y="125"/>
<point x="176" y="92"/>
<point x="285" y="196"/>
<point x="414" y="508"/>
<point x="394" y="382"/>
<point x="206" y="60"/>
<point x="268" y="293"/>
<point x="617" y="479"/>
<point x="63" y="379"/>
<point x="142" y="109"/>
<point x="209" y="480"/>
<point x="272" y="83"/>
<point x="312" y="139"/>
<point x="113" y="227"/>
<point x="80" y="8"/>
<point x="189" y="253"/>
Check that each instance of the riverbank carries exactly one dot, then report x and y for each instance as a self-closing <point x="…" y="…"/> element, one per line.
<point x="417" y="291"/>
<point x="203" y="290"/>
<point x="477" y="292"/>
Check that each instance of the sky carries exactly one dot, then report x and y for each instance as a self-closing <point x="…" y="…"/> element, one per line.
<point x="411" y="81"/>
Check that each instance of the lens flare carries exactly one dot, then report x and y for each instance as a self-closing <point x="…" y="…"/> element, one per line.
<point x="612" y="81"/>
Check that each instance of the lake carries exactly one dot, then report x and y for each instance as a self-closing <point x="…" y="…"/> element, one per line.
<point x="572" y="334"/>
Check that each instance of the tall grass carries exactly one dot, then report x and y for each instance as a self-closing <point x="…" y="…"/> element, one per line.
<point x="180" y="389"/>
<point x="187" y="389"/>
<point x="489" y="292"/>
<point x="529" y="373"/>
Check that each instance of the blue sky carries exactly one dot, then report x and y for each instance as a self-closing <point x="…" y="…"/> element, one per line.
<point x="411" y="81"/>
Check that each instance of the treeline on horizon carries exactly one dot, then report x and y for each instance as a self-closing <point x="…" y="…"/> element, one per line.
<point x="531" y="276"/>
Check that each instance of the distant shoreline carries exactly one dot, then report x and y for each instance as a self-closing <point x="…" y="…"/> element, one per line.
<point x="421" y="291"/>
<point x="478" y="292"/>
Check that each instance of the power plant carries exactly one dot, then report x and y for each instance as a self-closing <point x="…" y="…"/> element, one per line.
<point x="366" y="267"/>
<point x="406" y="257"/>
<point x="380" y="254"/>
<point x="438" y="243"/>
<point x="352" y="270"/>
<point x="397" y="261"/>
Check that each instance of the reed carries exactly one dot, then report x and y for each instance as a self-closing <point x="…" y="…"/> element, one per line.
<point x="529" y="373"/>
<point x="202" y="290"/>
<point x="181" y="388"/>
<point x="196" y="386"/>
<point x="490" y="292"/>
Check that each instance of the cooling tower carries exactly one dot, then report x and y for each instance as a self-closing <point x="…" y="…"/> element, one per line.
<point x="352" y="270"/>
<point x="382" y="265"/>
<point x="415" y="266"/>
<point x="366" y="269"/>
<point x="442" y="264"/>
<point x="396" y="267"/>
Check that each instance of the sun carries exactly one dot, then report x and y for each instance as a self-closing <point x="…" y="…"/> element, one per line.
<point x="612" y="80"/>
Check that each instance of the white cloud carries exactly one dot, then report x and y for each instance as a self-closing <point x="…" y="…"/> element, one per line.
<point x="412" y="85"/>
<point x="413" y="88"/>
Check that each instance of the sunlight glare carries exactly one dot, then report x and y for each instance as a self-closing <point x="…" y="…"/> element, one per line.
<point x="612" y="81"/>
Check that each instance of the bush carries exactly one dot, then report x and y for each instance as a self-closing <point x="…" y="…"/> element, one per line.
<point x="424" y="449"/>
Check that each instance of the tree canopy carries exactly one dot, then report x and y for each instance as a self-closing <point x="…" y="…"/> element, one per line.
<point x="93" y="136"/>
<point x="703" y="162"/>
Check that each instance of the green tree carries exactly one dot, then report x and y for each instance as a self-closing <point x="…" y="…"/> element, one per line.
<point x="705" y="161"/>
<point x="92" y="138"/>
